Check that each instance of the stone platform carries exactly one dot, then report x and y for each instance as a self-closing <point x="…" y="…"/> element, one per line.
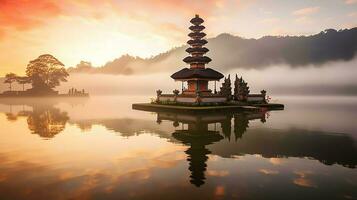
<point x="181" y="108"/>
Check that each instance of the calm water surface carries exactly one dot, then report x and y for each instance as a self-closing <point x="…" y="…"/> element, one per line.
<point x="100" y="148"/>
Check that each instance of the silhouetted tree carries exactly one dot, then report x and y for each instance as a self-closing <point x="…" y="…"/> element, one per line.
<point x="23" y="80"/>
<point x="10" y="78"/>
<point x="241" y="89"/>
<point x="47" y="122"/>
<point x="46" y="72"/>
<point x="226" y="89"/>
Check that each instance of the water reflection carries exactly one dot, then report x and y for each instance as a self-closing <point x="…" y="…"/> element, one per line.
<point x="223" y="155"/>
<point x="44" y="119"/>
<point x="194" y="132"/>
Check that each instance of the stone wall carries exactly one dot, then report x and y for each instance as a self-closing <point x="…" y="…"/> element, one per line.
<point x="191" y="98"/>
<point x="256" y="98"/>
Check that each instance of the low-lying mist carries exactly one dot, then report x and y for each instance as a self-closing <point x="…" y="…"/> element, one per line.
<point x="337" y="78"/>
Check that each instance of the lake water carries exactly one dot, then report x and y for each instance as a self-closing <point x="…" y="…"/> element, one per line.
<point x="99" y="148"/>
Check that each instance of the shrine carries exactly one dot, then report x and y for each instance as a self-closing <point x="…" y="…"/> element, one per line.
<point x="195" y="83"/>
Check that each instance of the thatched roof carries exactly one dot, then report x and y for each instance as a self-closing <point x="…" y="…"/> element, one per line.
<point x="197" y="42"/>
<point x="197" y="20"/>
<point x="200" y="73"/>
<point x="196" y="28"/>
<point x="197" y="50"/>
<point x="200" y="59"/>
<point x="197" y="34"/>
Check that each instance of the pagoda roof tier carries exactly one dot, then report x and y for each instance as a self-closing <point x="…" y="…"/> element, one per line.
<point x="197" y="42"/>
<point x="197" y="20"/>
<point x="198" y="59"/>
<point x="197" y="34"/>
<point x="197" y="50"/>
<point x="197" y="73"/>
<point x="197" y="28"/>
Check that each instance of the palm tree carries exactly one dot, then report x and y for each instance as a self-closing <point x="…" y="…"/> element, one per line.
<point x="23" y="80"/>
<point x="10" y="78"/>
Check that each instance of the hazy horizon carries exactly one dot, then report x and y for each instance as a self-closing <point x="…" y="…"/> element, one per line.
<point x="336" y="78"/>
<point x="100" y="31"/>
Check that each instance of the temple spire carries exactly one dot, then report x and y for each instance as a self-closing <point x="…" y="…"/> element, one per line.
<point x="196" y="49"/>
<point x="197" y="75"/>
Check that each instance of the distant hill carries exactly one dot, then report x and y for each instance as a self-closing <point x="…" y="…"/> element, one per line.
<point x="229" y="52"/>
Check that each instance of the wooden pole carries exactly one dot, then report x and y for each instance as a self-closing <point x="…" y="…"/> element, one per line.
<point x="215" y="90"/>
<point x="197" y="89"/>
<point x="181" y="86"/>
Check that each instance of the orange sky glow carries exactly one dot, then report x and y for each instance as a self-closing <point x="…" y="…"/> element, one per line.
<point x="100" y="31"/>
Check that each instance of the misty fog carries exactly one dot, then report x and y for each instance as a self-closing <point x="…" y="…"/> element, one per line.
<point x="331" y="79"/>
<point x="335" y="78"/>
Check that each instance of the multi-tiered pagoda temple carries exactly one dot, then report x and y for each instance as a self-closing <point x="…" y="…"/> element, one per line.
<point x="197" y="76"/>
<point x="196" y="79"/>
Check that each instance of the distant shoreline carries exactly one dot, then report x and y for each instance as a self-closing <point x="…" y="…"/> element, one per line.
<point x="43" y="96"/>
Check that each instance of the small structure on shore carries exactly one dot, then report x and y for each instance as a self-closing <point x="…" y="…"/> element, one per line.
<point x="198" y="76"/>
<point x="77" y="93"/>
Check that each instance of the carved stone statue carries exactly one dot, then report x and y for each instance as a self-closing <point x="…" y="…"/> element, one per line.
<point x="264" y="94"/>
<point x="176" y="92"/>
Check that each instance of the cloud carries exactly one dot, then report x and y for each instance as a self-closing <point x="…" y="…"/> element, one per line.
<point x="218" y="173"/>
<point x="276" y="161"/>
<point x="2" y="34"/>
<point x="353" y="14"/>
<point x="303" y="179"/>
<point x="24" y="14"/>
<point x="219" y="190"/>
<point x="272" y="20"/>
<point x="304" y="20"/>
<point x="162" y="8"/>
<point x="306" y="11"/>
<point x="350" y="2"/>
<point x="268" y="171"/>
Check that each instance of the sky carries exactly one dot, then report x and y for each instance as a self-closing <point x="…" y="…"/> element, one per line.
<point x="99" y="31"/>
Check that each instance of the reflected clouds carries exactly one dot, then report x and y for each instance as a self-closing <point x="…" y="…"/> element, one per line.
<point x="304" y="180"/>
<point x="226" y="155"/>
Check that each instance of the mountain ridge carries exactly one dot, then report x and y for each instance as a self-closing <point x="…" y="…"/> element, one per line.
<point x="233" y="52"/>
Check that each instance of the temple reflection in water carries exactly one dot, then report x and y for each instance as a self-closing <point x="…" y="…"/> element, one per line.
<point x="211" y="133"/>
<point x="197" y="132"/>
<point x="223" y="134"/>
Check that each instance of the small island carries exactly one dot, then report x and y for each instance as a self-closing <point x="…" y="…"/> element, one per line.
<point x="197" y="96"/>
<point x="44" y="74"/>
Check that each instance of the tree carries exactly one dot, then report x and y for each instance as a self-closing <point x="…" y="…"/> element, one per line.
<point x="46" y="72"/>
<point x="226" y="89"/>
<point x="241" y="89"/>
<point x="23" y="80"/>
<point x="10" y="78"/>
<point x="47" y="121"/>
